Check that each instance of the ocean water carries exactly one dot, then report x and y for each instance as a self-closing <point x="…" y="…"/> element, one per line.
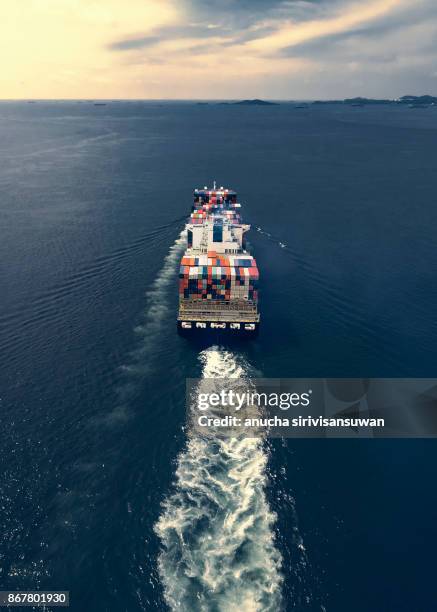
<point x="104" y="489"/>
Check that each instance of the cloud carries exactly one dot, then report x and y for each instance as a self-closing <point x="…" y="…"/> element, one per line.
<point x="367" y="33"/>
<point x="222" y="32"/>
<point x="170" y="32"/>
<point x="389" y="56"/>
<point x="227" y="48"/>
<point x="261" y="26"/>
<point x="349" y="17"/>
<point x="134" y="43"/>
<point x="235" y="8"/>
<point x="233" y="22"/>
<point x="250" y="11"/>
<point x="271" y="47"/>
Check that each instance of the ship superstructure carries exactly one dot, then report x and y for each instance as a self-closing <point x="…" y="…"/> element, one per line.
<point x="218" y="278"/>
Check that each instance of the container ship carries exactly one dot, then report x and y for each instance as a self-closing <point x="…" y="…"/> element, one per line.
<point x="218" y="277"/>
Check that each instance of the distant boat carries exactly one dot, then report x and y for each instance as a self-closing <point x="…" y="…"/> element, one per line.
<point x="99" y="103"/>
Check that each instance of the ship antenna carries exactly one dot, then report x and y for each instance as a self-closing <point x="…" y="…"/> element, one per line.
<point x="215" y="186"/>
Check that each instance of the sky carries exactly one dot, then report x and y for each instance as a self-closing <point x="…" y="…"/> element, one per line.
<point x="217" y="49"/>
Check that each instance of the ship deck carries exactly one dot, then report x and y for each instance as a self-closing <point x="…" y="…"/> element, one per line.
<point x="207" y="310"/>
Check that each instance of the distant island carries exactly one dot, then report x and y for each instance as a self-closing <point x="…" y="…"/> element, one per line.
<point x="255" y="102"/>
<point x="416" y="101"/>
<point x="409" y="100"/>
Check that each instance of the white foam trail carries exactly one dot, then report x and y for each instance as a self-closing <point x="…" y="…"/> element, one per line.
<point x="216" y="529"/>
<point x="157" y="299"/>
<point x="272" y="238"/>
<point x="157" y="308"/>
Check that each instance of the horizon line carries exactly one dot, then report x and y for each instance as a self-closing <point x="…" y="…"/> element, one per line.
<point x="113" y="99"/>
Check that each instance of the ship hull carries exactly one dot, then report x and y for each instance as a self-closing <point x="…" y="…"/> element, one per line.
<point x="212" y="328"/>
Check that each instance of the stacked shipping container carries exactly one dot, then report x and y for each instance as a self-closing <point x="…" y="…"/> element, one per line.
<point x="210" y="202"/>
<point x="219" y="277"/>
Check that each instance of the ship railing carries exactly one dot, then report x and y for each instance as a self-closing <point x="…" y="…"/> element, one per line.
<point x="209" y="305"/>
<point x="220" y="316"/>
<point x="221" y="311"/>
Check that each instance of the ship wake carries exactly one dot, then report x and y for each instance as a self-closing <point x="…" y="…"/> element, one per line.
<point x="157" y="298"/>
<point x="216" y="529"/>
<point x="156" y="313"/>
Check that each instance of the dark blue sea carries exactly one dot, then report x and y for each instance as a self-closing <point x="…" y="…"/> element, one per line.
<point x="104" y="490"/>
